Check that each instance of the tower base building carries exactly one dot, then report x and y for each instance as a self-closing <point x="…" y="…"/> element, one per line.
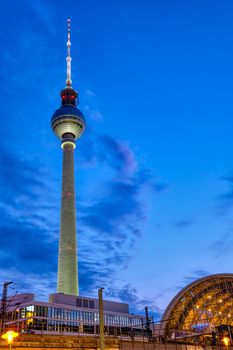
<point x="73" y="315"/>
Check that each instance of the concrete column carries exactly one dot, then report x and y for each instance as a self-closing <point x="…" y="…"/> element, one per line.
<point x="67" y="279"/>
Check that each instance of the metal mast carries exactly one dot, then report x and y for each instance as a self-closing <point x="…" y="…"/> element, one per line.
<point x="4" y="304"/>
<point x="68" y="57"/>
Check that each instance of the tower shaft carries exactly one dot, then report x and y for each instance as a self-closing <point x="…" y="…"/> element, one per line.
<point x="67" y="261"/>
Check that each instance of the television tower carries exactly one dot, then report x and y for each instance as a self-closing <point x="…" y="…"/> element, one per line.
<point x="68" y="123"/>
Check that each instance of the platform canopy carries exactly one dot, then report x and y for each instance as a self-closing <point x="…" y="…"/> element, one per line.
<point x="201" y="306"/>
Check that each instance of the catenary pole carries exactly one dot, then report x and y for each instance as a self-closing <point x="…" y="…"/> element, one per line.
<point x="101" y="318"/>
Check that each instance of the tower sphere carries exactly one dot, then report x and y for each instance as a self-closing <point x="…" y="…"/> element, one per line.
<point x="68" y="120"/>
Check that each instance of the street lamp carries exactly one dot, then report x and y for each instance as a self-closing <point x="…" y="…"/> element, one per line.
<point x="9" y="336"/>
<point x="226" y="341"/>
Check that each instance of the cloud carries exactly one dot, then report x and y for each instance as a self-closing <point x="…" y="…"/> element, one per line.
<point x="225" y="200"/>
<point x="24" y="188"/>
<point x="200" y="273"/>
<point x="224" y="205"/>
<point x="194" y="275"/>
<point x="228" y="178"/>
<point x="93" y="275"/>
<point x="160" y="187"/>
<point x="42" y="13"/>
<point x="117" y="155"/>
<point x="110" y="223"/>
<point x="92" y="114"/>
<point x="183" y="223"/>
<point x="129" y="295"/>
<point x="26" y="229"/>
<point x="27" y="254"/>
<point x="222" y="246"/>
<point x="186" y="280"/>
<point x="90" y="92"/>
<point x="30" y="283"/>
<point x="17" y="176"/>
<point x="113" y="220"/>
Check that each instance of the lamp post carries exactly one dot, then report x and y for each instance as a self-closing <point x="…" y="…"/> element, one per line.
<point x="9" y="336"/>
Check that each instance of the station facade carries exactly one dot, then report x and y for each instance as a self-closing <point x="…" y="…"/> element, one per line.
<point x="202" y="311"/>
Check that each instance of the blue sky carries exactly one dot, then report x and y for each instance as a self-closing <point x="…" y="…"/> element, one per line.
<point x="154" y="170"/>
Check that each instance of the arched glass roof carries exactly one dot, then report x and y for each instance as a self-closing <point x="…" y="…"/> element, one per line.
<point x="201" y="306"/>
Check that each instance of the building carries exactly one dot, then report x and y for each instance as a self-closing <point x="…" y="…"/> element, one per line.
<point x="68" y="123"/>
<point x="202" y="312"/>
<point x="68" y="314"/>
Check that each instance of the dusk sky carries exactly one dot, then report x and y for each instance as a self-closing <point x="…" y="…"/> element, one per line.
<point x="154" y="169"/>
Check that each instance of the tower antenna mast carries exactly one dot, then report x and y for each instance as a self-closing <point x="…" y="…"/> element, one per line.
<point x="68" y="57"/>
